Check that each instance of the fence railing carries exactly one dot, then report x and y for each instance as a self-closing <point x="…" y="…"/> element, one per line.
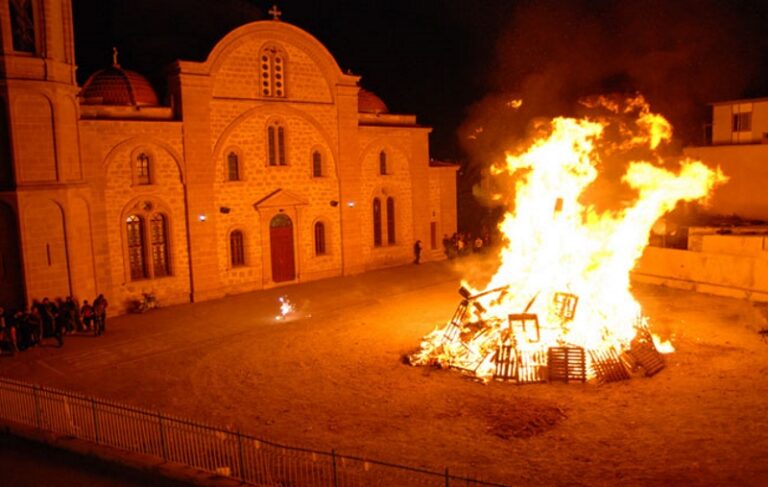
<point x="216" y="450"/>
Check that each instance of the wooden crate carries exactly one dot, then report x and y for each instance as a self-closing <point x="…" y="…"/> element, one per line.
<point x="566" y="364"/>
<point x="607" y="365"/>
<point x="647" y="357"/>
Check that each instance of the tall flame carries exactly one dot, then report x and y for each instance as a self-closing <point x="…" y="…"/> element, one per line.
<point x="555" y="243"/>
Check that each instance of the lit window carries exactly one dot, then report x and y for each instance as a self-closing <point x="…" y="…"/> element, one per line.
<point x="233" y="167"/>
<point x="390" y="220"/>
<point x="148" y="246"/>
<point x="319" y="238"/>
<point x="159" y="232"/>
<point x="317" y="164"/>
<point x="236" y="249"/>
<point x="376" y="222"/>
<point x="143" y="169"/>
<point x="135" y="230"/>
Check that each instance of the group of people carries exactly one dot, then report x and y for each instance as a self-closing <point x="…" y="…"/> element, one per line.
<point x="461" y="244"/>
<point x="23" y="329"/>
<point x="458" y="245"/>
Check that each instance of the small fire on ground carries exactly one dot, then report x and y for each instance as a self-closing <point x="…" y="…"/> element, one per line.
<point x="559" y="307"/>
<point x="287" y="309"/>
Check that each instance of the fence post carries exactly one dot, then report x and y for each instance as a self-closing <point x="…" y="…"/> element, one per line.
<point x="162" y="437"/>
<point x="242" y="461"/>
<point x="38" y="411"/>
<point x="95" y="421"/>
<point x="447" y="478"/>
<point x="335" y="476"/>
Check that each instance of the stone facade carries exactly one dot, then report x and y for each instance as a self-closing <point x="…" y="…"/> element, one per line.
<point x="264" y="169"/>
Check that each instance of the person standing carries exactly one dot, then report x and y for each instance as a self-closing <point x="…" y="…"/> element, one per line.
<point x="417" y="252"/>
<point x="100" y="314"/>
<point x="87" y="313"/>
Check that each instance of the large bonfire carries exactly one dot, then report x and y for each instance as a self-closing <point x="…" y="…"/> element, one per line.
<point x="563" y="274"/>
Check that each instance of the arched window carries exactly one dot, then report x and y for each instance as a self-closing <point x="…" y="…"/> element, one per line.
<point x="317" y="164"/>
<point x="136" y="247"/>
<point x="236" y="249"/>
<point x="159" y="231"/>
<point x="148" y="246"/>
<point x="272" y="72"/>
<point x="376" y="222"/>
<point x="382" y="162"/>
<point x="276" y="144"/>
<point x="143" y="169"/>
<point x="319" y="238"/>
<point x="233" y="167"/>
<point x="390" y="220"/>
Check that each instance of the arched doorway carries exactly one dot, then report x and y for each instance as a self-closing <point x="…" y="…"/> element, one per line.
<point x="11" y="282"/>
<point x="281" y="244"/>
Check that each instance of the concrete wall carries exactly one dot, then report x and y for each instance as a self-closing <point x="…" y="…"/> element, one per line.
<point x="744" y="277"/>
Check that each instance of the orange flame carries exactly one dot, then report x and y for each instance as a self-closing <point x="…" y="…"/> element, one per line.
<point x="555" y="244"/>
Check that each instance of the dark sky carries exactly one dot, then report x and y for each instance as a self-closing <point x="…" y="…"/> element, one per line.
<point x="454" y="63"/>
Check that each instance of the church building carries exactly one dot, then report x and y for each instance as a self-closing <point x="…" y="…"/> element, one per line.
<point x="263" y="165"/>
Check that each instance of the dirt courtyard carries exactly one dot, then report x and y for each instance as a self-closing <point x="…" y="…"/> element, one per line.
<point x="333" y="378"/>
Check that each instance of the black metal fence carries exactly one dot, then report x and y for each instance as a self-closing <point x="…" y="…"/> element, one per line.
<point x="216" y="450"/>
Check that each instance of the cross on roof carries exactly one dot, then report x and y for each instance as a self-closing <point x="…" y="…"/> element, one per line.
<point x="114" y="57"/>
<point x="275" y="12"/>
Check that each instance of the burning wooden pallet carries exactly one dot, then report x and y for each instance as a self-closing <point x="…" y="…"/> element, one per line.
<point x="520" y="366"/>
<point x="608" y="366"/>
<point x="565" y="303"/>
<point x="566" y="364"/>
<point x="525" y="327"/>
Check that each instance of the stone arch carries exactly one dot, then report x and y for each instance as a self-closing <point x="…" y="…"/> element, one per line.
<point x="278" y="32"/>
<point x="33" y="141"/>
<point x="282" y="112"/>
<point x="148" y="142"/>
<point x="81" y="248"/>
<point x="45" y="246"/>
<point x="382" y="144"/>
<point x="272" y="112"/>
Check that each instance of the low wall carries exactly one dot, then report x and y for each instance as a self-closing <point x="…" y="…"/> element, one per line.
<point x="738" y="276"/>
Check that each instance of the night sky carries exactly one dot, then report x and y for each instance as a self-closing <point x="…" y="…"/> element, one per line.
<point x="455" y="63"/>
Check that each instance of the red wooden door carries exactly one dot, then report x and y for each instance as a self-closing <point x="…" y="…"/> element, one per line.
<point x="281" y="243"/>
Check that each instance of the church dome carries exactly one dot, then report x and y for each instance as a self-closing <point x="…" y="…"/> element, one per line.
<point x="117" y="86"/>
<point x="368" y="102"/>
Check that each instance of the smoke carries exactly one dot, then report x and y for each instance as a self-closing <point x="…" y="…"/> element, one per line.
<point x="680" y="55"/>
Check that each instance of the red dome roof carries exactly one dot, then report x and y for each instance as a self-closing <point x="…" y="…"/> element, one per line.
<point x="117" y="86"/>
<point x="368" y="102"/>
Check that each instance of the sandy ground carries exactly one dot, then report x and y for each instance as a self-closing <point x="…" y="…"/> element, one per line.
<point x="333" y="378"/>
